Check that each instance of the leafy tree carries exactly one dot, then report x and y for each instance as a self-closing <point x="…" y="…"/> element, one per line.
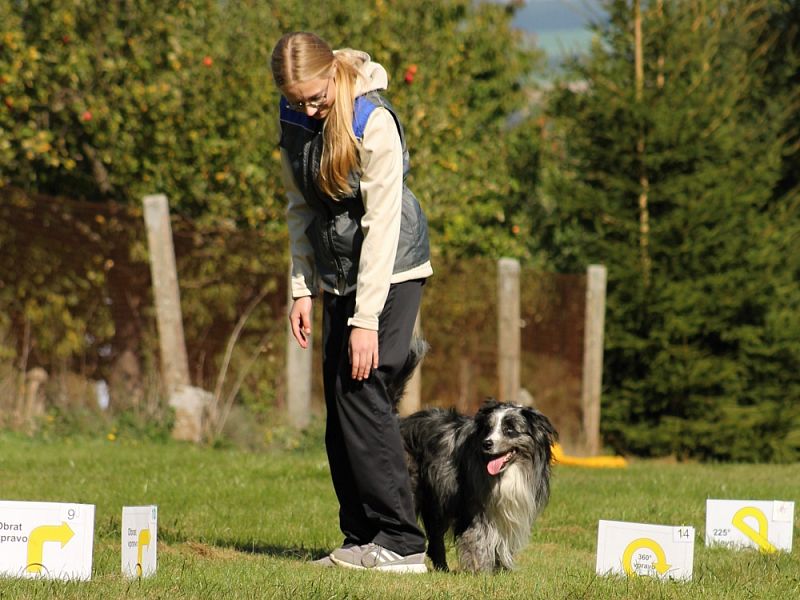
<point x="110" y="101"/>
<point x="667" y="159"/>
<point x="117" y="100"/>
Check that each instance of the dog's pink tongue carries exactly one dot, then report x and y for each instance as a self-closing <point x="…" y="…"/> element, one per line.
<point x="495" y="465"/>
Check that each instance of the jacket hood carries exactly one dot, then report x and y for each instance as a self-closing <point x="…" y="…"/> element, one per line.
<point x="373" y="76"/>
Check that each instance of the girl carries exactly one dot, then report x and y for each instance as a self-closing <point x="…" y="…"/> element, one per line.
<point x="358" y="235"/>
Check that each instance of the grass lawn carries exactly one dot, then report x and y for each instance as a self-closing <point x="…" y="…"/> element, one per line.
<point x="234" y="524"/>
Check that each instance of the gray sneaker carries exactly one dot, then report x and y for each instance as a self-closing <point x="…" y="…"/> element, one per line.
<point x="347" y="556"/>
<point x="378" y="558"/>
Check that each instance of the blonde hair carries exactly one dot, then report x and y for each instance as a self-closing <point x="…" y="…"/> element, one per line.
<point x="302" y="56"/>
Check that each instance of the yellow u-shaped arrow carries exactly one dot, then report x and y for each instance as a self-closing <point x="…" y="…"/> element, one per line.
<point x="659" y="565"/>
<point x="37" y="538"/>
<point x="760" y="536"/>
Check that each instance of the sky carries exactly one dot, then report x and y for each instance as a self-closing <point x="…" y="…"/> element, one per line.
<point x="559" y="25"/>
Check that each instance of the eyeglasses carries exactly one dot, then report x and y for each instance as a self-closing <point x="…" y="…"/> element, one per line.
<point x="315" y="103"/>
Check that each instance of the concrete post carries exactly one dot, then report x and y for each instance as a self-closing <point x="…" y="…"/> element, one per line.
<point x="593" y="356"/>
<point x="412" y="398"/>
<point x="298" y="372"/>
<point x="189" y="403"/>
<point x="508" y="330"/>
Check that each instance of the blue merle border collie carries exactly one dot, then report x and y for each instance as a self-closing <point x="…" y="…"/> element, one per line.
<point x="485" y="477"/>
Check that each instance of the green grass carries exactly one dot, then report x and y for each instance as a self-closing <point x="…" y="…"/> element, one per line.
<point x="244" y="525"/>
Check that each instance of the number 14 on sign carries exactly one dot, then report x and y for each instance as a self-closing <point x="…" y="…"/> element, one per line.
<point x="638" y="549"/>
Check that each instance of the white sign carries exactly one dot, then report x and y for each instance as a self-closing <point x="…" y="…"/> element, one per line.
<point x="139" y="527"/>
<point x="651" y="550"/>
<point x="766" y="525"/>
<point x="50" y="540"/>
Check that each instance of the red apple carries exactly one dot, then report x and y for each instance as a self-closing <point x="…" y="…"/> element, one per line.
<point x="410" y="72"/>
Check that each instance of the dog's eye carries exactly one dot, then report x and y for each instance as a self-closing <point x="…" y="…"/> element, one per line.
<point x="508" y="430"/>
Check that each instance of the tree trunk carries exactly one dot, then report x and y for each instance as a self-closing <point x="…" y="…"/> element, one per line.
<point x="644" y="183"/>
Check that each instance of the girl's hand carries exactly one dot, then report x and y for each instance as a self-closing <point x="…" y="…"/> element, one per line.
<point x="300" y="320"/>
<point x="363" y="352"/>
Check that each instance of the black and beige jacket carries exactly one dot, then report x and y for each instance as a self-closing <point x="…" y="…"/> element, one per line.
<point x="364" y="242"/>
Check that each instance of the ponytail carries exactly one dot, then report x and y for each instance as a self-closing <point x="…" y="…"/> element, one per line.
<point x="340" y="149"/>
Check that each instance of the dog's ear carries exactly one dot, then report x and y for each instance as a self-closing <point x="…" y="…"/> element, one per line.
<point x="488" y="406"/>
<point x="540" y="425"/>
<point x="490" y="403"/>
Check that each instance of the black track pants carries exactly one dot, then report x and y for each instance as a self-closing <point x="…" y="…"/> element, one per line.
<point x="365" y="450"/>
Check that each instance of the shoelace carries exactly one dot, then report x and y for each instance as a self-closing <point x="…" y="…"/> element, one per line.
<point x="378" y="555"/>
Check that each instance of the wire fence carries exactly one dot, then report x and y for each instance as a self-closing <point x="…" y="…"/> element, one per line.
<point x="76" y="303"/>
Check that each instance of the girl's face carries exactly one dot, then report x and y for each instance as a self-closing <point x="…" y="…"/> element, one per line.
<point x="314" y="97"/>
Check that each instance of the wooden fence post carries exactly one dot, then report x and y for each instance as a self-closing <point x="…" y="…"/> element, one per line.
<point x="508" y="330"/>
<point x="298" y="372"/>
<point x="593" y="356"/>
<point x="189" y="403"/>
<point x="411" y="401"/>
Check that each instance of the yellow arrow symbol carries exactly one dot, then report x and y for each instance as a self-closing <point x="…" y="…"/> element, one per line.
<point x="37" y="538"/>
<point x="659" y="565"/>
<point x="760" y="536"/>
<point x="144" y="540"/>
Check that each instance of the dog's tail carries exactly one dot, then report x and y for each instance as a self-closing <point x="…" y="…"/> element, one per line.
<point x="416" y="352"/>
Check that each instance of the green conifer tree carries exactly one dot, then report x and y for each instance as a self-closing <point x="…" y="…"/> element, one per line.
<point x="669" y="155"/>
